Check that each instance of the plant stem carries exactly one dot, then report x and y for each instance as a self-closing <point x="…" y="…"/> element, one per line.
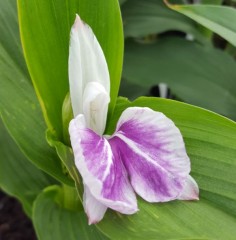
<point x="70" y="198"/>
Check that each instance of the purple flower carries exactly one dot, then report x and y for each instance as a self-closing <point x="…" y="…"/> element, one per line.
<point x="146" y="154"/>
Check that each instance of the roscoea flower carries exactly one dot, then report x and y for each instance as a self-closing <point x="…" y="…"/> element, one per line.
<point x="146" y="153"/>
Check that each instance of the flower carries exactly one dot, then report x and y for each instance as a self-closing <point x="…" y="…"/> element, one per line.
<point x="146" y="154"/>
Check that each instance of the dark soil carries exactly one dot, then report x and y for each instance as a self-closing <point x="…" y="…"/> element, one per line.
<point x="14" y="224"/>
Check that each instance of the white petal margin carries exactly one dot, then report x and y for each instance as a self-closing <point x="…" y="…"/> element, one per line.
<point x="93" y="208"/>
<point x="153" y="151"/>
<point x="95" y="106"/>
<point x="190" y="191"/>
<point x="86" y="63"/>
<point x="100" y="168"/>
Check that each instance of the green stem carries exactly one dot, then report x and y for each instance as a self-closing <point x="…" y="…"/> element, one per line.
<point x="70" y="198"/>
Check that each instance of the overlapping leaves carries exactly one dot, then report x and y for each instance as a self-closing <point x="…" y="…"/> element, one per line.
<point x="147" y="17"/>
<point x="52" y="221"/>
<point x="198" y="75"/>
<point x="208" y="16"/>
<point x="211" y="145"/>
<point x="19" y="106"/>
<point x="46" y="47"/>
<point x="18" y="177"/>
<point x="210" y="138"/>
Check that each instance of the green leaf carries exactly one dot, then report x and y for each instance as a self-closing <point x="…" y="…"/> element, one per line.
<point x="18" y="177"/>
<point x="45" y="30"/>
<point x="214" y="2"/>
<point x="150" y="16"/>
<point x="122" y="1"/>
<point x="9" y="37"/>
<point x="67" y="157"/>
<point x="19" y="107"/>
<point x="218" y="19"/>
<point x="52" y="221"/>
<point x="137" y="90"/>
<point x="211" y="145"/>
<point x="199" y="75"/>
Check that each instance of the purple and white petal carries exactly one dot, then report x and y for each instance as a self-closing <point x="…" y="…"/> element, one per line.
<point x="87" y="63"/>
<point x="100" y="168"/>
<point x="153" y="152"/>
<point x="93" y="208"/>
<point x="95" y="106"/>
<point x="190" y="191"/>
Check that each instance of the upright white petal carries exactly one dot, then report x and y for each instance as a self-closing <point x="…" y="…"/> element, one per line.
<point x="95" y="106"/>
<point x="87" y="63"/>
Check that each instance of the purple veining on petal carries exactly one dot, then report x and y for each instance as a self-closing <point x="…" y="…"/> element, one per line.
<point x="153" y="152"/>
<point x="96" y="152"/>
<point x="156" y="133"/>
<point x="112" y="189"/>
<point x="147" y="149"/>
<point x="112" y="173"/>
<point x="102" y="173"/>
<point x="156" y="183"/>
<point x="103" y="164"/>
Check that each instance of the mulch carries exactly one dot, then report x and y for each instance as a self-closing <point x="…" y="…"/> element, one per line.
<point x="14" y="224"/>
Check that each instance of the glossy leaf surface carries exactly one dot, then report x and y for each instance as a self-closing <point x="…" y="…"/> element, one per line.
<point x="46" y="42"/>
<point x="52" y="221"/>
<point x="19" y="106"/>
<point x="219" y="19"/>
<point x="198" y="75"/>
<point x="18" y="177"/>
<point x="211" y="144"/>
<point x="150" y="17"/>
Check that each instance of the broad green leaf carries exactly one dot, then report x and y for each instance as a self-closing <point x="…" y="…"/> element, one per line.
<point x="137" y="90"/>
<point x="9" y="31"/>
<point x="150" y="16"/>
<point x="45" y="30"/>
<point x="18" y="177"/>
<point x="52" y="221"/>
<point x="214" y="2"/>
<point x="219" y="19"/>
<point x="211" y="144"/>
<point x="19" y="107"/>
<point x="199" y="75"/>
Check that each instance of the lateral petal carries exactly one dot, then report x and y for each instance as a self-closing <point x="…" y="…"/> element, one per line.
<point x="93" y="208"/>
<point x="95" y="106"/>
<point x="153" y="152"/>
<point x="86" y="63"/>
<point x="101" y="169"/>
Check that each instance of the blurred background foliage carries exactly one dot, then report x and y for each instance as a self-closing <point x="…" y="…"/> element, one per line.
<point x="165" y="46"/>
